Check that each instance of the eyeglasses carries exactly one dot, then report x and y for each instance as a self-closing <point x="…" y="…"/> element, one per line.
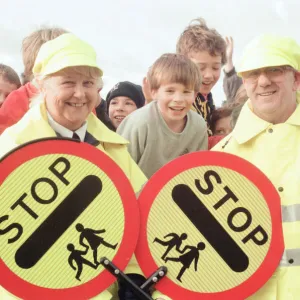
<point x="273" y="73"/>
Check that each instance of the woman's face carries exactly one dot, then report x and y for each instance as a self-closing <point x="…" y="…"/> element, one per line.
<point x="119" y="108"/>
<point x="70" y="97"/>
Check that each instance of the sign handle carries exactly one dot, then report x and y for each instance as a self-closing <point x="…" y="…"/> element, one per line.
<point x="109" y="266"/>
<point x="154" y="278"/>
<point x="139" y="291"/>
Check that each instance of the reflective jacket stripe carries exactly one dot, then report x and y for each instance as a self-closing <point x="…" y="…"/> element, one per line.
<point x="290" y="213"/>
<point x="290" y="258"/>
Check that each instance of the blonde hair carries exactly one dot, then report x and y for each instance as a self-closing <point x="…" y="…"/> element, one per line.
<point x="100" y="83"/>
<point x="31" y="46"/>
<point x="174" y="68"/>
<point x="198" y="37"/>
<point x="86" y="71"/>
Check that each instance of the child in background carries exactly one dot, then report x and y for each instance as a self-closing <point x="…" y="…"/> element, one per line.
<point x="205" y="47"/>
<point x="9" y="81"/>
<point x="221" y="120"/>
<point x="101" y="110"/>
<point x="167" y="127"/>
<point x="18" y="102"/>
<point x="231" y="81"/>
<point x="241" y="95"/>
<point x="124" y="98"/>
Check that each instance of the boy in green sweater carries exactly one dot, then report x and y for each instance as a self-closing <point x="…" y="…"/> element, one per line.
<point x="167" y="127"/>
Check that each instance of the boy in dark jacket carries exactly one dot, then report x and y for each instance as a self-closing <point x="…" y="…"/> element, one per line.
<point x="207" y="48"/>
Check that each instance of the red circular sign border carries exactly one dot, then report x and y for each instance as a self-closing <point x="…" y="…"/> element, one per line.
<point x="229" y="161"/>
<point x="21" y="288"/>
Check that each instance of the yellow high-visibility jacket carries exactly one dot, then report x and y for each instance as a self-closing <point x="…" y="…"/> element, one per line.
<point x="275" y="150"/>
<point x="34" y="125"/>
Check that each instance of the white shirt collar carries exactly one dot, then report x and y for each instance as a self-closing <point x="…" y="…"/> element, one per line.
<point x="65" y="132"/>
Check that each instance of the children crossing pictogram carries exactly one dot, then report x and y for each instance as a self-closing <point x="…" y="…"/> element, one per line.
<point x="77" y="257"/>
<point x="213" y="219"/>
<point x="187" y="258"/>
<point x="174" y="242"/>
<point x="71" y="206"/>
<point x="93" y="240"/>
<point x="93" y="243"/>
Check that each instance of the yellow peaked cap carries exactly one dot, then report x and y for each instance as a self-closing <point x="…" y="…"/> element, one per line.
<point x="270" y="51"/>
<point x="67" y="50"/>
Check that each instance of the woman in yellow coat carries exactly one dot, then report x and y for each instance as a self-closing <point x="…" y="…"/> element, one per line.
<point x="267" y="134"/>
<point x="68" y="77"/>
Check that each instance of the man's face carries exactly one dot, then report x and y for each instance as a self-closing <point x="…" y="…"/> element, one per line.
<point x="70" y="97"/>
<point x="272" y="91"/>
<point x="5" y="89"/>
<point x="210" y="68"/>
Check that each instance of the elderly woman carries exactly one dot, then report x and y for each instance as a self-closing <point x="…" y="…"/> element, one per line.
<point x="68" y="77"/>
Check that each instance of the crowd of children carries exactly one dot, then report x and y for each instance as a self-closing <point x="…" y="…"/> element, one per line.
<point x="173" y="113"/>
<point x="202" y="45"/>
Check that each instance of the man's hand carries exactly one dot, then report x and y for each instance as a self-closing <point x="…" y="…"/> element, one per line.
<point x="229" y="52"/>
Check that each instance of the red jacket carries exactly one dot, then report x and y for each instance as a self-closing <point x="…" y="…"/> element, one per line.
<point x="214" y="140"/>
<point x="16" y="105"/>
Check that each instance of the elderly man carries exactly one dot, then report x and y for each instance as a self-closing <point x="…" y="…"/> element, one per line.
<point x="267" y="134"/>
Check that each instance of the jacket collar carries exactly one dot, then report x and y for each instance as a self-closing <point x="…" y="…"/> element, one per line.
<point x="37" y="126"/>
<point x="250" y="125"/>
<point x="208" y="98"/>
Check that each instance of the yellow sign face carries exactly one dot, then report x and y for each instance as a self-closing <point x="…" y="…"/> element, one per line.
<point x="39" y="188"/>
<point x="213" y="220"/>
<point x="207" y="271"/>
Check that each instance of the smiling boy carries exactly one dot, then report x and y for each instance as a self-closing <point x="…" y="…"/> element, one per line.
<point x="206" y="48"/>
<point x="124" y="98"/>
<point x="165" y="128"/>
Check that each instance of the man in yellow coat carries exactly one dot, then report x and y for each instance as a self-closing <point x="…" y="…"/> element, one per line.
<point x="267" y="134"/>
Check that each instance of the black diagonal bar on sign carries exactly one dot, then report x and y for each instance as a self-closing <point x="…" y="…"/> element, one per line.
<point x="210" y="228"/>
<point x="43" y="238"/>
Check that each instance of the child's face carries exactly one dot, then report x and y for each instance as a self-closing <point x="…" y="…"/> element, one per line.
<point x="223" y="126"/>
<point x="5" y="89"/>
<point x="119" y="108"/>
<point x="174" y="101"/>
<point x="210" y="67"/>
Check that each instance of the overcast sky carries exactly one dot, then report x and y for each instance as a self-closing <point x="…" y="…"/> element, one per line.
<point x="129" y="35"/>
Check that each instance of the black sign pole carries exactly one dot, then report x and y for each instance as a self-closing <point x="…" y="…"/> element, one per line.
<point x="138" y="291"/>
